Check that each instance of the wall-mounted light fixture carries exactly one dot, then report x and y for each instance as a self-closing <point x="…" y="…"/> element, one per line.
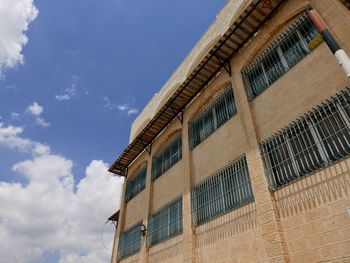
<point x="143" y="230"/>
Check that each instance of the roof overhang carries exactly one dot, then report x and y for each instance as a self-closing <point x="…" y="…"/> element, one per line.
<point x="346" y="3"/>
<point x="114" y="217"/>
<point x="237" y="35"/>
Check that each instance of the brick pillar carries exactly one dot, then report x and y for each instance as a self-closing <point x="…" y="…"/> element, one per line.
<point x="120" y="227"/>
<point x="272" y="235"/>
<point x="147" y="210"/>
<point x="189" y="246"/>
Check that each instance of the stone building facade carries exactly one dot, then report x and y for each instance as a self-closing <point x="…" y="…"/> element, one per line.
<point x="255" y="167"/>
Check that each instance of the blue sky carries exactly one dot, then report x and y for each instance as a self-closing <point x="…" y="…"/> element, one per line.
<point x="87" y="69"/>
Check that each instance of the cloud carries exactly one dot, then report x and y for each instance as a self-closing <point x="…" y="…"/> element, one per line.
<point x="14" y="115"/>
<point x="11" y="87"/>
<point x="52" y="212"/>
<point x="41" y="122"/>
<point x="126" y="108"/>
<point x="129" y="107"/>
<point x="69" y="92"/>
<point x="35" y="109"/>
<point x="15" y="17"/>
<point x="10" y="137"/>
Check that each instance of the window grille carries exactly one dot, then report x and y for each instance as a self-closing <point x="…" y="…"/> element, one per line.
<point x="227" y="189"/>
<point x="214" y="115"/>
<point x="314" y="141"/>
<point x="165" y="223"/>
<point x="286" y="51"/>
<point x="171" y="154"/>
<point x="136" y="184"/>
<point x="130" y="242"/>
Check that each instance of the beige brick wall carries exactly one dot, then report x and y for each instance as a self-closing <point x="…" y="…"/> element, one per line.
<point x="314" y="215"/>
<point x="303" y="222"/>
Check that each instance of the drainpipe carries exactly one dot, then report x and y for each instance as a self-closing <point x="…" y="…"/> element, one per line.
<point x="333" y="45"/>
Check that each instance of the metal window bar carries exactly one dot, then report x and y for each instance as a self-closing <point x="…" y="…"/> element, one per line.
<point x="136" y="184"/>
<point x="226" y="190"/>
<point x="219" y="110"/>
<point x="290" y="47"/>
<point x="130" y="242"/>
<point x="167" y="158"/>
<point x="313" y="141"/>
<point x="165" y="224"/>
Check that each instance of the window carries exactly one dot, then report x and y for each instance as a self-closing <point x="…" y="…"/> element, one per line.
<point x="227" y="189"/>
<point x="216" y="113"/>
<point x="167" y="158"/>
<point x="286" y="51"/>
<point x="136" y="184"/>
<point x="165" y="224"/>
<point x="130" y="242"/>
<point x="319" y="138"/>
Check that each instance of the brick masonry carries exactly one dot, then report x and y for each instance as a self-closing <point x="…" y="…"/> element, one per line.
<point x="306" y="221"/>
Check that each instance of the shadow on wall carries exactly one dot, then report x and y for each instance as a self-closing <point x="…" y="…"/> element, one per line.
<point x="227" y="226"/>
<point x="323" y="187"/>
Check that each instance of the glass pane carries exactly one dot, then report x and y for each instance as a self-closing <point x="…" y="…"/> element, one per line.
<point x="333" y="131"/>
<point x="273" y="66"/>
<point x="293" y="49"/>
<point x="257" y="80"/>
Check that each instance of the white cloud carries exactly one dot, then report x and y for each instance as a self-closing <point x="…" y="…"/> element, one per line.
<point x="10" y="137"/>
<point x="128" y="108"/>
<point x="52" y="212"/>
<point x="15" y="17"/>
<point x="41" y="122"/>
<point x="35" y="109"/>
<point x="14" y="115"/>
<point x="11" y="87"/>
<point x="108" y="104"/>
<point x="69" y="92"/>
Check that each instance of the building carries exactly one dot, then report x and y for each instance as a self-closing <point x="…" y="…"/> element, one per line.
<point x="243" y="154"/>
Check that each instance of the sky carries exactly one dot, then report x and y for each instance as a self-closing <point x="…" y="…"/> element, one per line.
<point x="74" y="74"/>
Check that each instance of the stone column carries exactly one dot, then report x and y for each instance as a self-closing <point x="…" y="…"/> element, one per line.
<point x="147" y="211"/>
<point x="120" y="227"/>
<point x="189" y="246"/>
<point x="268" y="216"/>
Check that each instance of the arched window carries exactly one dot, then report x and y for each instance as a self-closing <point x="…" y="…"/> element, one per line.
<point x="219" y="110"/>
<point x="290" y="47"/>
<point x="168" y="157"/>
<point x="136" y="184"/>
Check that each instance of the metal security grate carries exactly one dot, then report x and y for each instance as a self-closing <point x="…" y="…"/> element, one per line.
<point x="286" y="51"/>
<point x="227" y="189"/>
<point x="171" y="154"/>
<point x="212" y="117"/>
<point x="319" y="138"/>
<point x="136" y="184"/>
<point x="165" y="223"/>
<point x="130" y="242"/>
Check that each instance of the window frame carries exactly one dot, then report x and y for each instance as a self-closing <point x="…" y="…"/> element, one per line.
<point x="133" y="247"/>
<point x="302" y="30"/>
<point x="227" y="189"/>
<point x="139" y="179"/>
<point x="309" y="150"/>
<point x="159" y="164"/>
<point x="215" y="114"/>
<point x="158" y="233"/>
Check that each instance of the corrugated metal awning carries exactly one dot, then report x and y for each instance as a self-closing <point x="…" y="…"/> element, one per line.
<point x="247" y="24"/>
